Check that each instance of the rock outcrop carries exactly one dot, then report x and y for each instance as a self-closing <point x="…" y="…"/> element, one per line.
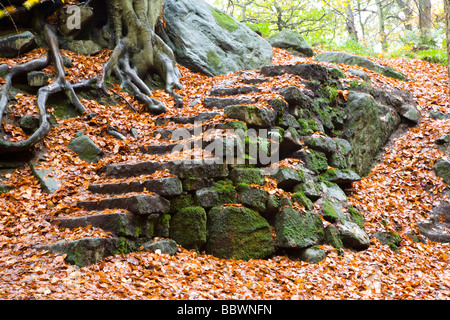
<point x="209" y="41"/>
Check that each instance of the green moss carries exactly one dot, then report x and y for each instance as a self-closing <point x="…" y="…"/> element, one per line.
<point x="296" y="229"/>
<point x="226" y="191"/>
<point x="225" y="21"/>
<point x="356" y="216"/>
<point x="163" y="225"/>
<point x="180" y="202"/>
<point x="125" y="246"/>
<point x="330" y="93"/>
<point x="303" y="200"/>
<point x="304" y="129"/>
<point x="213" y="59"/>
<point x="329" y="212"/>
<point x="238" y="233"/>
<point x="332" y="237"/>
<point x="188" y="228"/>
<point x="316" y="161"/>
<point x="237" y="125"/>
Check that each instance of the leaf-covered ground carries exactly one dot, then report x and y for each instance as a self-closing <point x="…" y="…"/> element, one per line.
<point x="400" y="191"/>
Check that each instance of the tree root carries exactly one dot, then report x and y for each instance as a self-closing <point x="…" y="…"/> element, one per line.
<point x="139" y="51"/>
<point x="61" y="84"/>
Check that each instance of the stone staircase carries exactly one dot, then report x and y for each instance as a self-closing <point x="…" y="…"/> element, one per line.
<point x="196" y="202"/>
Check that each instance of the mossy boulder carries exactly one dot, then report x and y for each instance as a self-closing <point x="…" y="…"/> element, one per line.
<point x="253" y="116"/>
<point x="238" y="233"/>
<point x="211" y="42"/>
<point x="188" y="228"/>
<point x="86" y="148"/>
<point x="368" y="127"/>
<point x="291" y="40"/>
<point x="287" y="178"/>
<point x="442" y="169"/>
<point x="247" y="175"/>
<point x="340" y="176"/>
<point x="223" y="192"/>
<point x="331" y="209"/>
<point x="316" y="161"/>
<point x="352" y="59"/>
<point x="298" y="230"/>
<point x="252" y="197"/>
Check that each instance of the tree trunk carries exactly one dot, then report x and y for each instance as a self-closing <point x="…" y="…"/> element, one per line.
<point x="424" y="16"/>
<point x="408" y="13"/>
<point x="381" y="26"/>
<point x="139" y="52"/>
<point x="447" y="31"/>
<point x="350" y="23"/>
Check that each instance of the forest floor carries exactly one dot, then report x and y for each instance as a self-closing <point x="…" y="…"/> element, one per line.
<point x="399" y="191"/>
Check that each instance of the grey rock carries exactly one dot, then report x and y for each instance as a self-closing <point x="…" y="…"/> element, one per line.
<point x="82" y="252"/>
<point x="291" y="40"/>
<point x="164" y="246"/>
<point x="209" y="41"/>
<point x="297" y="230"/>
<point x="15" y="45"/>
<point x="351" y="59"/>
<point x="86" y="148"/>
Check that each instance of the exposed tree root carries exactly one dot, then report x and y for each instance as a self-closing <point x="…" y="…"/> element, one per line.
<point x="61" y="84"/>
<point x="140" y="52"/>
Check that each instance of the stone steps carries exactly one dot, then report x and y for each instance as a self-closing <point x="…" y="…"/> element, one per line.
<point x="165" y="187"/>
<point x="139" y="204"/>
<point x="201" y="117"/>
<point x="182" y="169"/>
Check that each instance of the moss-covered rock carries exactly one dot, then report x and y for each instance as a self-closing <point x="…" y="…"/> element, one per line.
<point x="252" y="115"/>
<point x="287" y="178"/>
<point x="291" y="40"/>
<point x="252" y="197"/>
<point x="442" y="169"/>
<point x="238" y="233"/>
<point x="367" y="128"/>
<point x="315" y="161"/>
<point x="297" y="230"/>
<point x="331" y="209"/>
<point x="340" y="176"/>
<point x="332" y="237"/>
<point x="223" y="192"/>
<point x="86" y="148"/>
<point x="188" y="228"/>
<point x="303" y="200"/>
<point x="247" y="175"/>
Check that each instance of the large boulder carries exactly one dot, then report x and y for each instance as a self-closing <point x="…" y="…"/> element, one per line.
<point x="17" y="44"/>
<point x="442" y="169"/>
<point x="188" y="227"/>
<point x="298" y="230"/>
<point x="291" y="40"/>
<point x="355" y="60"/>
<point x="209" y="41"/>
<point x="238" y="233"/>
<point x="368" y="127"/>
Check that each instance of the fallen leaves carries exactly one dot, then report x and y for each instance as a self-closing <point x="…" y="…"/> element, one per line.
<point x="400" y="191"/>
